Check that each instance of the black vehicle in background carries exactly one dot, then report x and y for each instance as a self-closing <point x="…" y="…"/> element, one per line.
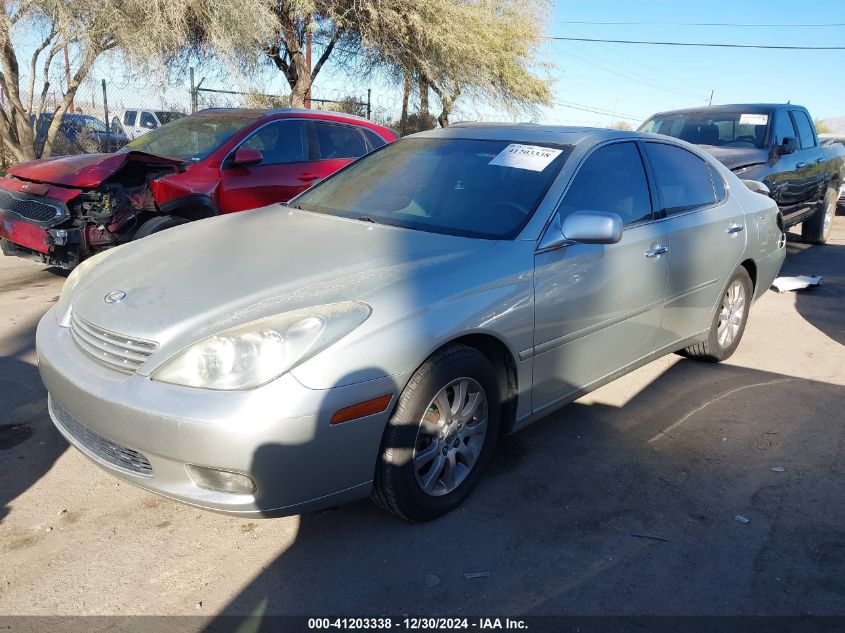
<point x="775" y="144"/>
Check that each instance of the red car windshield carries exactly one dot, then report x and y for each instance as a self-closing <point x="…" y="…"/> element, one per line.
<point x="191" y="138"/>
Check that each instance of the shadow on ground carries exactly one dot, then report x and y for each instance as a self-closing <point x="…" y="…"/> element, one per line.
<point x="606" y="510"/>
<point x="29" y="443"/>
<point x="823" y="305"/>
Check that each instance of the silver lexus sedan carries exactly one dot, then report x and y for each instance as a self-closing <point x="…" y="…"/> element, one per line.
<point x="376" y="335"/>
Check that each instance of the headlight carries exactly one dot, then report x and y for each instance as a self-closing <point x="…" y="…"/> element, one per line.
<point x="251" y="355"/>
<point x="72" y="281"/>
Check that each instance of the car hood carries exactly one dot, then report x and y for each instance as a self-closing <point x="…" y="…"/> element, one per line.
<point x="189" y="282"/>
<point x="737" y="157"/>
<point x="83" y="170"/>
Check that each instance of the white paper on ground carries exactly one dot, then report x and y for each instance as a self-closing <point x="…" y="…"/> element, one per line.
<point x="753" y="119"/>
<point x="531" y="157"/>
<point x="783" y="284"/>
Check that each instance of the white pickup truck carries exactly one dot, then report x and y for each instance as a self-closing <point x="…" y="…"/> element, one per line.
<point x="134" y="123"/>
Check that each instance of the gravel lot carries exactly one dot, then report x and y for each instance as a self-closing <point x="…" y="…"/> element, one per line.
<point x="623" y="503"/>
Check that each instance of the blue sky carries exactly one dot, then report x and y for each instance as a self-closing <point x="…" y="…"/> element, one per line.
<point x="639" y="80"/>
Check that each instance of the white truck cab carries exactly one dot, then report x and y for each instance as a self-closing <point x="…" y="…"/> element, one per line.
<point x="136" y="122"/>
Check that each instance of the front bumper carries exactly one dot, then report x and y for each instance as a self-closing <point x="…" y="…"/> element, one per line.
<point x="278" y="434"/>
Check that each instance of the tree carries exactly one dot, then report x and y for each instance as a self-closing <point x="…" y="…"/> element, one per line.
<point x="86" y="30"/>
<point x="621" y="125"/>
<point x="481" y="49"/>
<point x="821" y="127"/>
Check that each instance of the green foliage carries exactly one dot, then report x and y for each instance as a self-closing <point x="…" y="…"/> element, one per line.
<point x="822" y="127"/>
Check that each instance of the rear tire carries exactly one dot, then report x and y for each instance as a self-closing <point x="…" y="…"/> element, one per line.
<point x="816" y="228"/>
<point x="156" y="224"/>
<point x="440" y="436"/>
<point x="728" y="323"/>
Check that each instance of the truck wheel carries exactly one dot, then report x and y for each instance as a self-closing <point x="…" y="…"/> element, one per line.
<point x="440" y="436"/>
<point x="156" y="224"/>
<point x="816" y="229"/>
<point x="728" y="322"/>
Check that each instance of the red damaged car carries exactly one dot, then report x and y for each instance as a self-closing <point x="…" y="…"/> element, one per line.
<point x="60" y="210"/>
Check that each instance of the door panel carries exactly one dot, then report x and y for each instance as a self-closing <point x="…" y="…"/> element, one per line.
<point x="597" y="309"/>
<point x="708" y="233"/>
<point x="704" y="255"/>
<point x="597" y="306"/>
<point x="284" y="172"/>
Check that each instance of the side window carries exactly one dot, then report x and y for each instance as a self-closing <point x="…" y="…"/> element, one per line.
<point x="783" y="126"/>
<point x="805" y="129"/>
<point x="374" y="140"/>
<point x="281" y="142"/>
<point x="148" y="121"/>
<point x="611" y="179"/>
<point x="682" y="178"/>
<point x="339" y="141"/>
<point x="718" y="184"/>
<point x="129" y="117"/>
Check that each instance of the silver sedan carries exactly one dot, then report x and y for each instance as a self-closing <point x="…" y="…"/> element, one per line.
<point x="378" y="334"/>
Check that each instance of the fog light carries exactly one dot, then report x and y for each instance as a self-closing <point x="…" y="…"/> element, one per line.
<point x="221" y="480"/>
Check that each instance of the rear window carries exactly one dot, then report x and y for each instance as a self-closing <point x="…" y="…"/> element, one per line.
<point x="466" y="187"/>
<point x="682" y="178"/>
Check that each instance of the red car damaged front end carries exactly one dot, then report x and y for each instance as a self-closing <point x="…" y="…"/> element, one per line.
<point x="60" y="210"/>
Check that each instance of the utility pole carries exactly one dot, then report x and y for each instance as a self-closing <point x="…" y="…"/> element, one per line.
<point x="711" y="98"/>
<point x="106" y="112"/>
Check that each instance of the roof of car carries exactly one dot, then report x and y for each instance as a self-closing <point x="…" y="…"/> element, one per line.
<point x="257" y="113"/>
<point x="750" y="108"/>
<point x="529" y="132"/>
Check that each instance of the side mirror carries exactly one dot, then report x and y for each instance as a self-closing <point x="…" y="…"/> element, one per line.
<point x="789" y="145"/>
<point x="151" y="125"/>
<point x="592" y="227"/>
<point x="246" y="156"/>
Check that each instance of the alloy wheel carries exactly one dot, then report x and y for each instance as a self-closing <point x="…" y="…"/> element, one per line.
<point x="731" y="314"/>
<point x="450" y="437"/>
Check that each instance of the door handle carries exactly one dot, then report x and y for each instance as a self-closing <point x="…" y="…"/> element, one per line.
<point x="801" y="165"/>
<point x="309" y="177"/>
<point x="657" y="251"/>
<point x="734" y="228"/>
<point x="820" y="160"/>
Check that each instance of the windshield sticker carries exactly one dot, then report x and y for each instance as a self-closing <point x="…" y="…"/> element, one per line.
<point x="753" y="119"/>
<point x="531" y="157"/>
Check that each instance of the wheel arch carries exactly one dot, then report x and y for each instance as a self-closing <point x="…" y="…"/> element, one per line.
<point x="503" y="362"/>
<point x="193" y="207"/>
<point x="751" y="268"/>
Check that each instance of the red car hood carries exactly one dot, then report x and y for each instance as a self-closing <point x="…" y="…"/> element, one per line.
<point x="84" y="170"/>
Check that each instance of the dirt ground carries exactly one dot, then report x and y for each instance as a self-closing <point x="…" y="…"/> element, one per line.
<point x="622" y="503"/>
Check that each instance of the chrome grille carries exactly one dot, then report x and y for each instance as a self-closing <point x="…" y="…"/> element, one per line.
<point x="121" y="457"/>
<point x="29" y="208"/>
<point x="109" y="348"/>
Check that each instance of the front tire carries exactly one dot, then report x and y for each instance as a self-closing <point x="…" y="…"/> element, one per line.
<point x="816" y="228"/>
<point x="156" y="224"/>
<point x="728" y="323"/>
<point x="440" y="436"/>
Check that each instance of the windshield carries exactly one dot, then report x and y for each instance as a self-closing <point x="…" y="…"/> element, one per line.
<point x="190" y="138"/>
<point x="719" y="129"/>
<point x="167" y="117"/>
<point x="465" y="187"/>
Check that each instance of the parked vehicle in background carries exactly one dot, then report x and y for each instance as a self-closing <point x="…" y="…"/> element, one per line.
<point x="775" y="144"/>
<point x="134" y="123"/>
<point x="380" y="333"/>
<point x="833" y="139"/>
<point x="61" y="210"/>
<point x="79" y="134"/>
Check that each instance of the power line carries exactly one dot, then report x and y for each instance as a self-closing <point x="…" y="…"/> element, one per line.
<point x="709" y="44"/>
<point x="594" y="110"/>
<point x="728" y="24"/>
